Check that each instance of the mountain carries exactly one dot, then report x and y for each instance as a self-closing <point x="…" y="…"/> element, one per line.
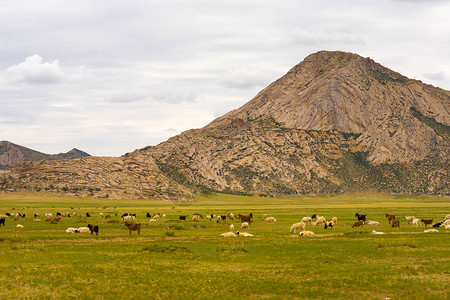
<point x="336" y="122"/>
<point x="12" y="155"/>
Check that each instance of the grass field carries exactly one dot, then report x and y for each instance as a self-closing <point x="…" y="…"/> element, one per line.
<point x="179" y="259"/>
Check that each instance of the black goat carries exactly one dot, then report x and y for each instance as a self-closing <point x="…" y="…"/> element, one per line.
<point x="314" y="216"/>
<point x="58" y="214"/>
<point x="88" y="215"/>
<point x="149" y="215"/>
<point x="438" y="224"/>
<point x="93" y="228"/>
<point x="2" y="222"/>
<point x="361" y="217"/>
<point x="182" y="218"/>
<point x="8" y="214"/>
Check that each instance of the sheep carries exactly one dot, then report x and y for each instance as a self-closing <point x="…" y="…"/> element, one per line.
<point x="83" y="230"/>
<point x="396" y="223"/>
<point x="134" y="227"/>
<point x="447" y="217"/>
<point x="230" y="216"/>
<point x="376" y="232"/>
<point x="48" y="215"/>
<point x="446" y="222"/>
<point x="148" y="215"/>
<point x="427" y="222"/>
<point x="334" y="219"/>
<point x="19" y="226"/>
<point x="244" y="225"/>
<point x="88" y="215"/>
<point x="151" y="220"/>
<point x="231" y="227"/>
<point x="307" y="219"/>
<point x="296" y="226"/>
<point x="163" y="216"/>
<point x="307" y="233"/>
<point x="409" y="218"/>
<point x="195" y="217"/>
<point x="430" y="230"/>
<point x="129" y="218"/>
<point x="156" y="217"/>
<point x="243" y="234"/>
<point x="358" y="224"/>
<point x="313" y="223"/>
<point x="36" y="215"/>
<point x="447" y="226"/>
<point x="71" y="230"/>
<point x="416" y="222"/>
<point x="264" y="216"/>
<point x="36" y="220"/>
<point x="101" y="215"/>
<point x="271" y="220"/>
<point x="390" y="217"/>
<point x="361" y="217"/>
<point x="320" y="220"/>
<point x="313" y="216"/>
<point x="370" y="222"/>
<point x="93" y="228"/>
<point x="227" y="234"/>
<point x="208" y="217"/>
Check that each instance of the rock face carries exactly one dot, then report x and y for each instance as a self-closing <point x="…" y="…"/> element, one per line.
<point x="336" y="122"/>
<point x="12" y="155"/>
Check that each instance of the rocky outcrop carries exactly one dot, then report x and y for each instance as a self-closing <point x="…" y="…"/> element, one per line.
<point x="336" y="122"/>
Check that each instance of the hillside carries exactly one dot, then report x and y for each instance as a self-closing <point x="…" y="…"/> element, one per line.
<point x="336" y="122"/>
<point x="12" y="155"/>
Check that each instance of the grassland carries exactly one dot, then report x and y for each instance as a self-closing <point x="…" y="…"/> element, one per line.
<point x="178" y="259"/>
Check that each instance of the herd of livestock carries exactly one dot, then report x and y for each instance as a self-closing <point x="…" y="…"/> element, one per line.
<point x="132" y="224"/>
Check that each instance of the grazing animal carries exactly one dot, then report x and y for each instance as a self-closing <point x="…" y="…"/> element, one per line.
<point x="390" y="217"/>
<point x="376" y="232"/>
<point x="227" y="234"/>
<point x="149" y="215"/>
<point x="8" y="214"/>
<point x="55" y="220"/>
<point x="358" y="224"/>
<point x="271" y="220"/>
<point x="370" y="222"/>
<point x="124" y="215"/>
<point x="2" y="222"/>
<point x="447" y="217"/>
<point x="230" y="216"/>
<point x="231" y="227"/>
<point x="416" y="222"/>
<point x="307" y="233"/>
<point x="71" y="230"/>
<point x="264" y="216"/>
<point x="93" y="228"/>
<point x="88" y="215"/>
<point x="101" y="215"/>
<point x="328" y="224"/>
<point x="430" y="230"/>
<point x="307" y="219"/>
<point x="427" y="222"/>
<point x="19" y="226"/>
<point x="409" y="218"/>
<point x="83" y="230"/>
<point x="36" y="215"/>
<point x="243" y="234"/>
<point x="245" y="218"/>
<point x="58" y="214"/>
<point x="396" y="223"/>
<point x="127" y="219"/>
<point x="313" y="216"/>
<point x="244" y="225"/>
<point x="295" y="226"/>
<point x="334" y="219"/>
<point x="361" y="217"/>
<point x="438" y="224"/>
<point x="208" y="217"/>
<point x="163" y="216"/>
<point x="182" y="218"/>
<point x="320" y="220"/>
<point x="134" y="227"/>
<point x="107" y="216"/>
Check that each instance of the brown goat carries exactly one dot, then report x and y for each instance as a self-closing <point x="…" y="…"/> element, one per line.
<point x="395" y="223"/>
<point x="245" y="218"/>
<point x="358" y="224"/>
<point x="427" y="222"/>
<point x="390" y="217"/>
<point x="136" y="226"/>
<point x="55" y="220"/>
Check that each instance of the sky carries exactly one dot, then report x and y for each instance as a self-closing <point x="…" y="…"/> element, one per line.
<point x="109" y="77"/>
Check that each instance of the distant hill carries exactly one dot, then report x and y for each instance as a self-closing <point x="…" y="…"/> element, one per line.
<point x="335" y="123"/>
<point x="12" y="155"/>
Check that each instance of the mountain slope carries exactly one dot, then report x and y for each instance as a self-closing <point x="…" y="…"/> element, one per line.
<point x="12" y="155"/>
<point x="336" y="122"/>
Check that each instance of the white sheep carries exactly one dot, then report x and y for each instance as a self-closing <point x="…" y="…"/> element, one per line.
<point x="320" y="220"/>
<point x="299" y="225"/>
<point x="129" y="218"/>
<point x="271" y="220"/>
<point x="101" y="215"/>
<point x="306" y="233"/>
<point x="48" y="215"/>
<point x="447" y="226"/>
<point x="377" y="232"/>
<point x="447" y="217"/>
<point x="227" y="234"/>
<point x="231" y="227"/>
<point x="151" y="220"/>
<point x="71" y="230"/>
<point x="208" y="217"/>
<point x="446" y="222"/>
<point x="264" y="217"/>
<point x="243" y="234"/>
<point x="409" y="218"/>
<point x="334" y="220"/>
<point x="83" y="230"/>
<point x="36" y="220"/>
<point x="416" y="222"/>
<point x="19" y="225"/>
<point x="307" y="219"/>
<point x="430" y="230"/>
<point x="244" y="225"/>
<point x="163" y="216"/>
<point x="370" y="222"/>
<point x="313" y="223"/>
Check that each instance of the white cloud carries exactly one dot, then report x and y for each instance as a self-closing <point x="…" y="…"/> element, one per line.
<point x="35" y="71"/>
<point x="243" y="78"/>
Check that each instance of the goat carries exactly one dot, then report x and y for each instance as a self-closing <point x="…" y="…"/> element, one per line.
<point x="427" y="222"/>
<point x="149" y="215"/>
<point x="358" y="224"/>
<point x="93" y="228"/>
<point x="182" y="218"/>
<point x="134" y="227"/>
<point x="396" y="223"/>
<point x="328" y="224"/>
<point x="313" y="216"/>
<point x="390" y="217"/>
<point x="438" y="224"/>
<point x="2" y="222"/>
<point x="361" y="217"/>
<point x="88" y="215"/>
<point x="245" y="218"/>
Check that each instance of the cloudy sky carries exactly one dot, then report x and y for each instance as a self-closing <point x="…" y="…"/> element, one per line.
<point x="108" y="77"/>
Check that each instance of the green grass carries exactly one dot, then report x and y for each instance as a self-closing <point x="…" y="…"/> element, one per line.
<point x="176" y="259"/>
